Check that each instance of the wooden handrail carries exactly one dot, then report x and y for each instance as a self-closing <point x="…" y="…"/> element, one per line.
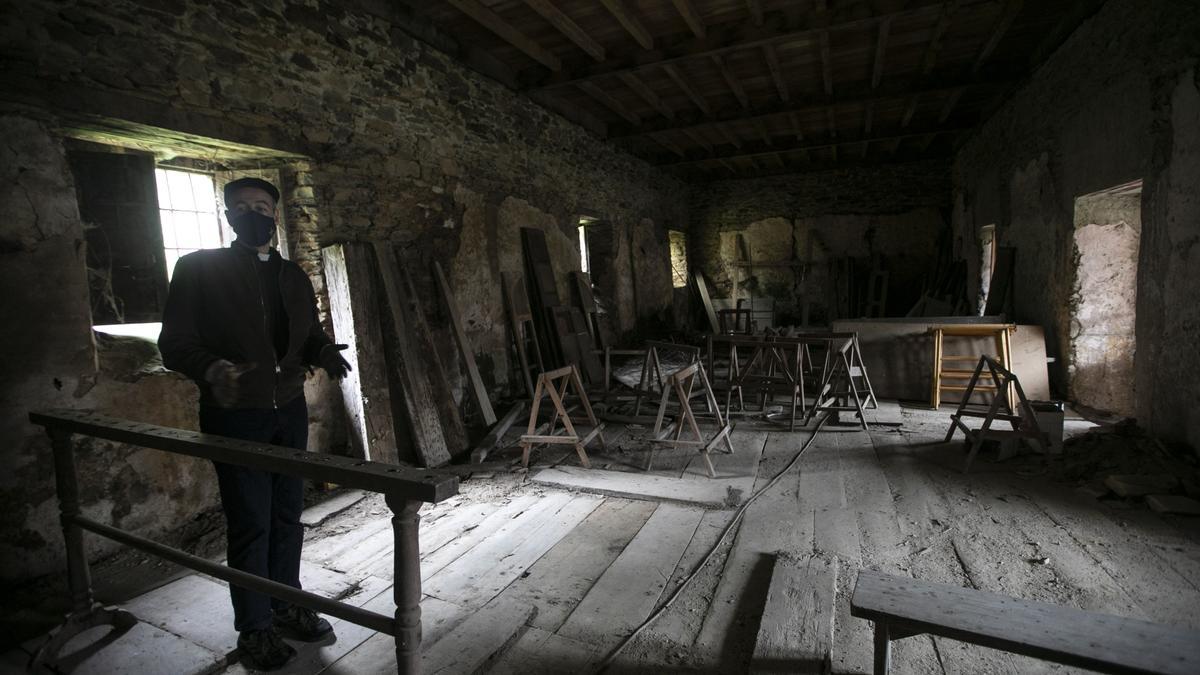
<point x="404" y="490"/>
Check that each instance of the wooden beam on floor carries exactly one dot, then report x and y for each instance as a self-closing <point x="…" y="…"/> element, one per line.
<point x="795" y="633"/>
<point x="495" y="23"/>
<point x="567" y="27"/>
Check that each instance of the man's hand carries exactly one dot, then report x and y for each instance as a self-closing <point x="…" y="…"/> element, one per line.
<point x="333" y="363"/>
<point x="223" y="376"/>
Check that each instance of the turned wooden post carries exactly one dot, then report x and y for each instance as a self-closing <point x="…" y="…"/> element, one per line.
<point x="883" y="648"/>
<point x="79" y="577"/>
<point x="407" y="583"/>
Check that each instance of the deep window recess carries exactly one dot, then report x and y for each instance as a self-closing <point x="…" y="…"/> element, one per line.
<point x="679" y="266"/>
<point x="584" y="255"/>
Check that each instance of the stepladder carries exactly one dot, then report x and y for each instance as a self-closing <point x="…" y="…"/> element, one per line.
<point x="1005" y="388"/>
<point x="555" y="385"/>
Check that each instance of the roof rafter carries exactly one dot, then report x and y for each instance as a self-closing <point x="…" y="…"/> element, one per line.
<point x="635" y="83"/>
<point x="495" y="23"/>
<point x="697" y="98"/>
<point x="734" y="84"/>
<point x="593" y="90"/>
<point x="823" y="144"/>
<point x="1011" y="8"/>
<point x="881" y="40"/>
<point x="756" y="11"/>
<point x="929" y="60"/>
<point x="860" y="94"/>
<point x="691" y="17"/>
<point x="567" y="27"/>
<point x="776" y="71"/>
<point x="730" y="38"/>
<point x="630" y="22"/>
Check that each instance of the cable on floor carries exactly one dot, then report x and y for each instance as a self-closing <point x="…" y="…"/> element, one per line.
<point x="737" y="518"/>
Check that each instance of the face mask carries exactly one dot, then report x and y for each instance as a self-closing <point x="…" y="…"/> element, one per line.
<point x="253" y="228"/>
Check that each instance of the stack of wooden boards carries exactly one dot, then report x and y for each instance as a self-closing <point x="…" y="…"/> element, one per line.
<point x="567" y="334"/>
<point x="399" y="402"/>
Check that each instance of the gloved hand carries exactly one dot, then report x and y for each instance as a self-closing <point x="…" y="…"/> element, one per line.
<point x="223" y="377"/>
<point x="332" y="362"/>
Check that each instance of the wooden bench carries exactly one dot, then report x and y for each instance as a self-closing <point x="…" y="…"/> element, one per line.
<point x="903" y="607"/>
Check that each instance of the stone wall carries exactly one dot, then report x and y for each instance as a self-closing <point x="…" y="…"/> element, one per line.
<point x="383" y="136"/>
<point x="1117" y="102"/>
<point x="894" y="210"/>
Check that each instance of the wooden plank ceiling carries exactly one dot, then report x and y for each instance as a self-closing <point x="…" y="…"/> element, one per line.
<point x="752" y="87"/>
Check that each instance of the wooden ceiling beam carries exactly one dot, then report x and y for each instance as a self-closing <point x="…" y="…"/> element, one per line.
<point x="593" y="90"/>
<point x="847" y="96"/>
<point x="734" y="84"/>
<point x="1010" y="11"/>
<point x="697" y="140"/>
<point x="948" y="107"/>
<point x="756" y="11"/>
<point x="496" y="24"/>
<point x="691" y="17"/>
<point x="729" y="138"/>
<point x="567" y="27"/>
<point x="929" y="60"/>
<point x="881" y="41"/>
<point x="822" y="14"/>
<point x="668" y="144"/>
<point x="868" y="118"/>
<point x="763" y="151"/>
<point x="633" y="82"/>
<point x="629" y="22"/>
<point x="910" y="111"/>
<point x="728" y="38"/>
<point x="776" y="71"/>
<point x="698" y="99"/>
<point x="794" y="123"/>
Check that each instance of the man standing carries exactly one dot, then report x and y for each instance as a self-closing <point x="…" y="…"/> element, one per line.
<point x="242" y="323"/>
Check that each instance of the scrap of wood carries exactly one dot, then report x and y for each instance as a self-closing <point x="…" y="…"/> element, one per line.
<point x="496" y="433"/>
<point x="353" y="292"/>
<point x="406" y="364"/>
<point x="478" y="391"/>
<point x="795" y="634"/>
<point x="448" y="413"/>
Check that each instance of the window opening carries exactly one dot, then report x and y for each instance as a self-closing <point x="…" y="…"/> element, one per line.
<point x="679" y="266"/>
<point x="584" y="261"/>
<point x="987" y="240"/>
<point x="188" y="212"/>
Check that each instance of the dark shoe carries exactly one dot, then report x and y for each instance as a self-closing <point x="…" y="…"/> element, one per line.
<point x="302" y="624"/>
<point x="264" y="649"/>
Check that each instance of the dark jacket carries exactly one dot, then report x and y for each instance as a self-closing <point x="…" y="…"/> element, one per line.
<point x="215" y="310"/>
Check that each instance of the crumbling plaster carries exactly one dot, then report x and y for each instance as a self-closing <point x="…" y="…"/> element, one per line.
<point x="1115" y="103"/>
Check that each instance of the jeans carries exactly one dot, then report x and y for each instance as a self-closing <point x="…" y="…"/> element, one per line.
<point x="262" y="509"/>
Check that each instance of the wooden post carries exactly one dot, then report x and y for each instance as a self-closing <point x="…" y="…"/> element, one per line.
<point x="883" y="648"/>
<point x="79" y="577"/>
<point x="407" y="583"/>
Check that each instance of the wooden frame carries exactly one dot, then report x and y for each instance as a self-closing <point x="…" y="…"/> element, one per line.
<point x="555" y="384"/>
<point x="1000" y="333"/>
<point x="652" y="378"/>
<point x="403" y="488"/>
<point x="681" y="382"/>
<point x="837" y="388"/>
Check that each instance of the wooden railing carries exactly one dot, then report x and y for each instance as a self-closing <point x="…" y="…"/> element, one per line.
<point x="404" y="490"/>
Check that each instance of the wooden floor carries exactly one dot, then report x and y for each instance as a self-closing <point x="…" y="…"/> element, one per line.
<point x="525" y="578"/>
